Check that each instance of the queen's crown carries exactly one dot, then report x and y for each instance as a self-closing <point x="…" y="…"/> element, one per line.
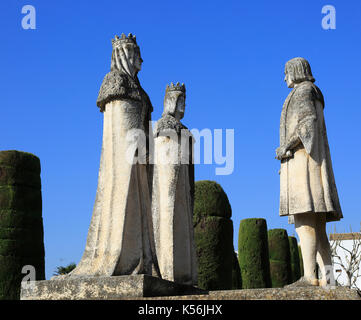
<point x="118" y="41"/>
<point x="176" y="87"/>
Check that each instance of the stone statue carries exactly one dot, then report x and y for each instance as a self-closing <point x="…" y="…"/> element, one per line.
<point x="120" y="239"/>
<point x="173" y="192"/>
<point x="308" y="191"/>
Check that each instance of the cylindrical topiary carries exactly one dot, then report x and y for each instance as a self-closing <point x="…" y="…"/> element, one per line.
<point x="236" y="273"/>
<point x="295" y="259"/>
<point x="21" y="224"/>
<point x="301" y="260"/>
<point x="213" y="234"/>
<point x="280" y="259"/>
<point x="253" y="253"/>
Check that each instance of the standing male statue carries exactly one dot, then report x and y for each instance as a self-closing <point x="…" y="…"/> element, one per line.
<point x="308" y="190"/>
<point x="173" y="192"/>
<point x="120" y="238"/>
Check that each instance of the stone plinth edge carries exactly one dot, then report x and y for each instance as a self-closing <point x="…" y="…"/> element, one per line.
<point x="106" y="288"/>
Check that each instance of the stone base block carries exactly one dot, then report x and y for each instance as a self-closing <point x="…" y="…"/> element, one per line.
<point x="106" y="288"/>
<point x="300" y="293"/>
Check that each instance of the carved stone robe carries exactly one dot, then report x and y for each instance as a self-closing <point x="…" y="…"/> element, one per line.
<point x="172" y="202"/>
<point x="306" y="179"/>
<point x="120" y="238"/>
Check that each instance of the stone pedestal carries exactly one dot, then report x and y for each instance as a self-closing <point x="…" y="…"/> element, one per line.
<point x="295" y="293"/>
<point x="106" y="288"/>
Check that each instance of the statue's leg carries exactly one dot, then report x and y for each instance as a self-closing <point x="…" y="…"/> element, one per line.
<point x="323" y="256"/>
<point x="305" y="224"/>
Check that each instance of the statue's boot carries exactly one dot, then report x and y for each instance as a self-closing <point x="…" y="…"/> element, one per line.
<point x="303" y="282"/>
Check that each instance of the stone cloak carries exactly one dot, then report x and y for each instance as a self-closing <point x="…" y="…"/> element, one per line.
<point x="120" y="238"/>
<point x="307" y="182"/>
<point x="172" y="203"/>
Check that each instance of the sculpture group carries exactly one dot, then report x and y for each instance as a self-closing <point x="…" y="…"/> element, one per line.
<point x="142" y="217"/>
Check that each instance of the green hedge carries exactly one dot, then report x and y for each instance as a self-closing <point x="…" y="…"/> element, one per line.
<point x="253" y="253"/>
<point x="280" y="259"/>
<point x="21" y="225"/>
<point x="213" y="233"/>
<point x="214" y="238"/>
<point x="236" y="273"/>
<point x="295" y="259"/>
<point x="210" y="200"/>
<point x="301" y="260"/>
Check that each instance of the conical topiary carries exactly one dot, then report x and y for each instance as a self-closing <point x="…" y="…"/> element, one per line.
<point x="21" y="225"/>
<point x="213" y="234"/>
<point x="280" y="259"/>
<point x="253" y="254"/>
<point x="295" y="259"/>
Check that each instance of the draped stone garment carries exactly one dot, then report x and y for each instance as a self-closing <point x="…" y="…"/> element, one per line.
<point x="307" y="181"/>
<point x="172" y="202"/>
<point x="120" y="238"/>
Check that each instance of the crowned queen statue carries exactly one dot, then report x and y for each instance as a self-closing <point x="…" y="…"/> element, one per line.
<point x="120" y="238"/>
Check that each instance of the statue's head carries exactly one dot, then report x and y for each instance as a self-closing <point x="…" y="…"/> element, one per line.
<point x="297" y="70"/>
<point x="126" y="54"/>
<point x="174" y="100"/>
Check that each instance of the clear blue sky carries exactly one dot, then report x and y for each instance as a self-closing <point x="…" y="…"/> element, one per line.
<point x="230" y="55"/>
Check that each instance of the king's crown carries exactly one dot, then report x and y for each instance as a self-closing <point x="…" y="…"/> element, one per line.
<point x="176" y="87"/>
<point x="118" y="41"/>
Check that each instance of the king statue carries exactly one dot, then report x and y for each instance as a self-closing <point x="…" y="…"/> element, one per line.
<point x="173" y="191"/>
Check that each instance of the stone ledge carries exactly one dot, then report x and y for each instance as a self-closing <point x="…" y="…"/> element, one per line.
<point x="303" y="293"/>
<point x="106" y="288"/>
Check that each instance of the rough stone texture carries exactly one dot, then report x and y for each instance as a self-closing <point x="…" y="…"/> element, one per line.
<point x="120" y="237"/>
<point x="295" y="259"/>
<point x="280" y="259"/>
<point x="21" y="225"/>
<point x="173" y="192"/>
<point x="253" y="253"/>
<point x="308" y="193"/>
<point x="307" y="181"/>
<point x="117" y="85"/>
<point x="345" y="236"/>
<point x="309" y="293"/>
<point x="106" y="288"/>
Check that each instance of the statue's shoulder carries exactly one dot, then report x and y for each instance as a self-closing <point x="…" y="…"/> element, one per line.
<point x="307" y="90"/>
<point x="117" y="85"/>
<point x="169" y="123"/>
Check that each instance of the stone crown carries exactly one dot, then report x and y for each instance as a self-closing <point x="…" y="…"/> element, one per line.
<point x="176" y="87"/>
<point x="118" y="41"/>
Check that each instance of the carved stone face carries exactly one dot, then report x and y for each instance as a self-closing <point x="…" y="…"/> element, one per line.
<point x="180" y="108"/>
<point x="288" y="79"/>
<point x="132" y="54"/>
<point x="137" y="61"/>
<point x="174" y="104"/>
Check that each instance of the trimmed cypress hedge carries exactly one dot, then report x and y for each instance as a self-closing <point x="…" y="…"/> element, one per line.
<point x="21" y="224"/>
<point x="295" y="259"/>
<point x="213" y="234"/>
<point x="253" y="254"/>
<point x="280" y="258"/>
<point x="210" y="200"/>
<point x="236" y="273"/>
<point x="301" y="260"/>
